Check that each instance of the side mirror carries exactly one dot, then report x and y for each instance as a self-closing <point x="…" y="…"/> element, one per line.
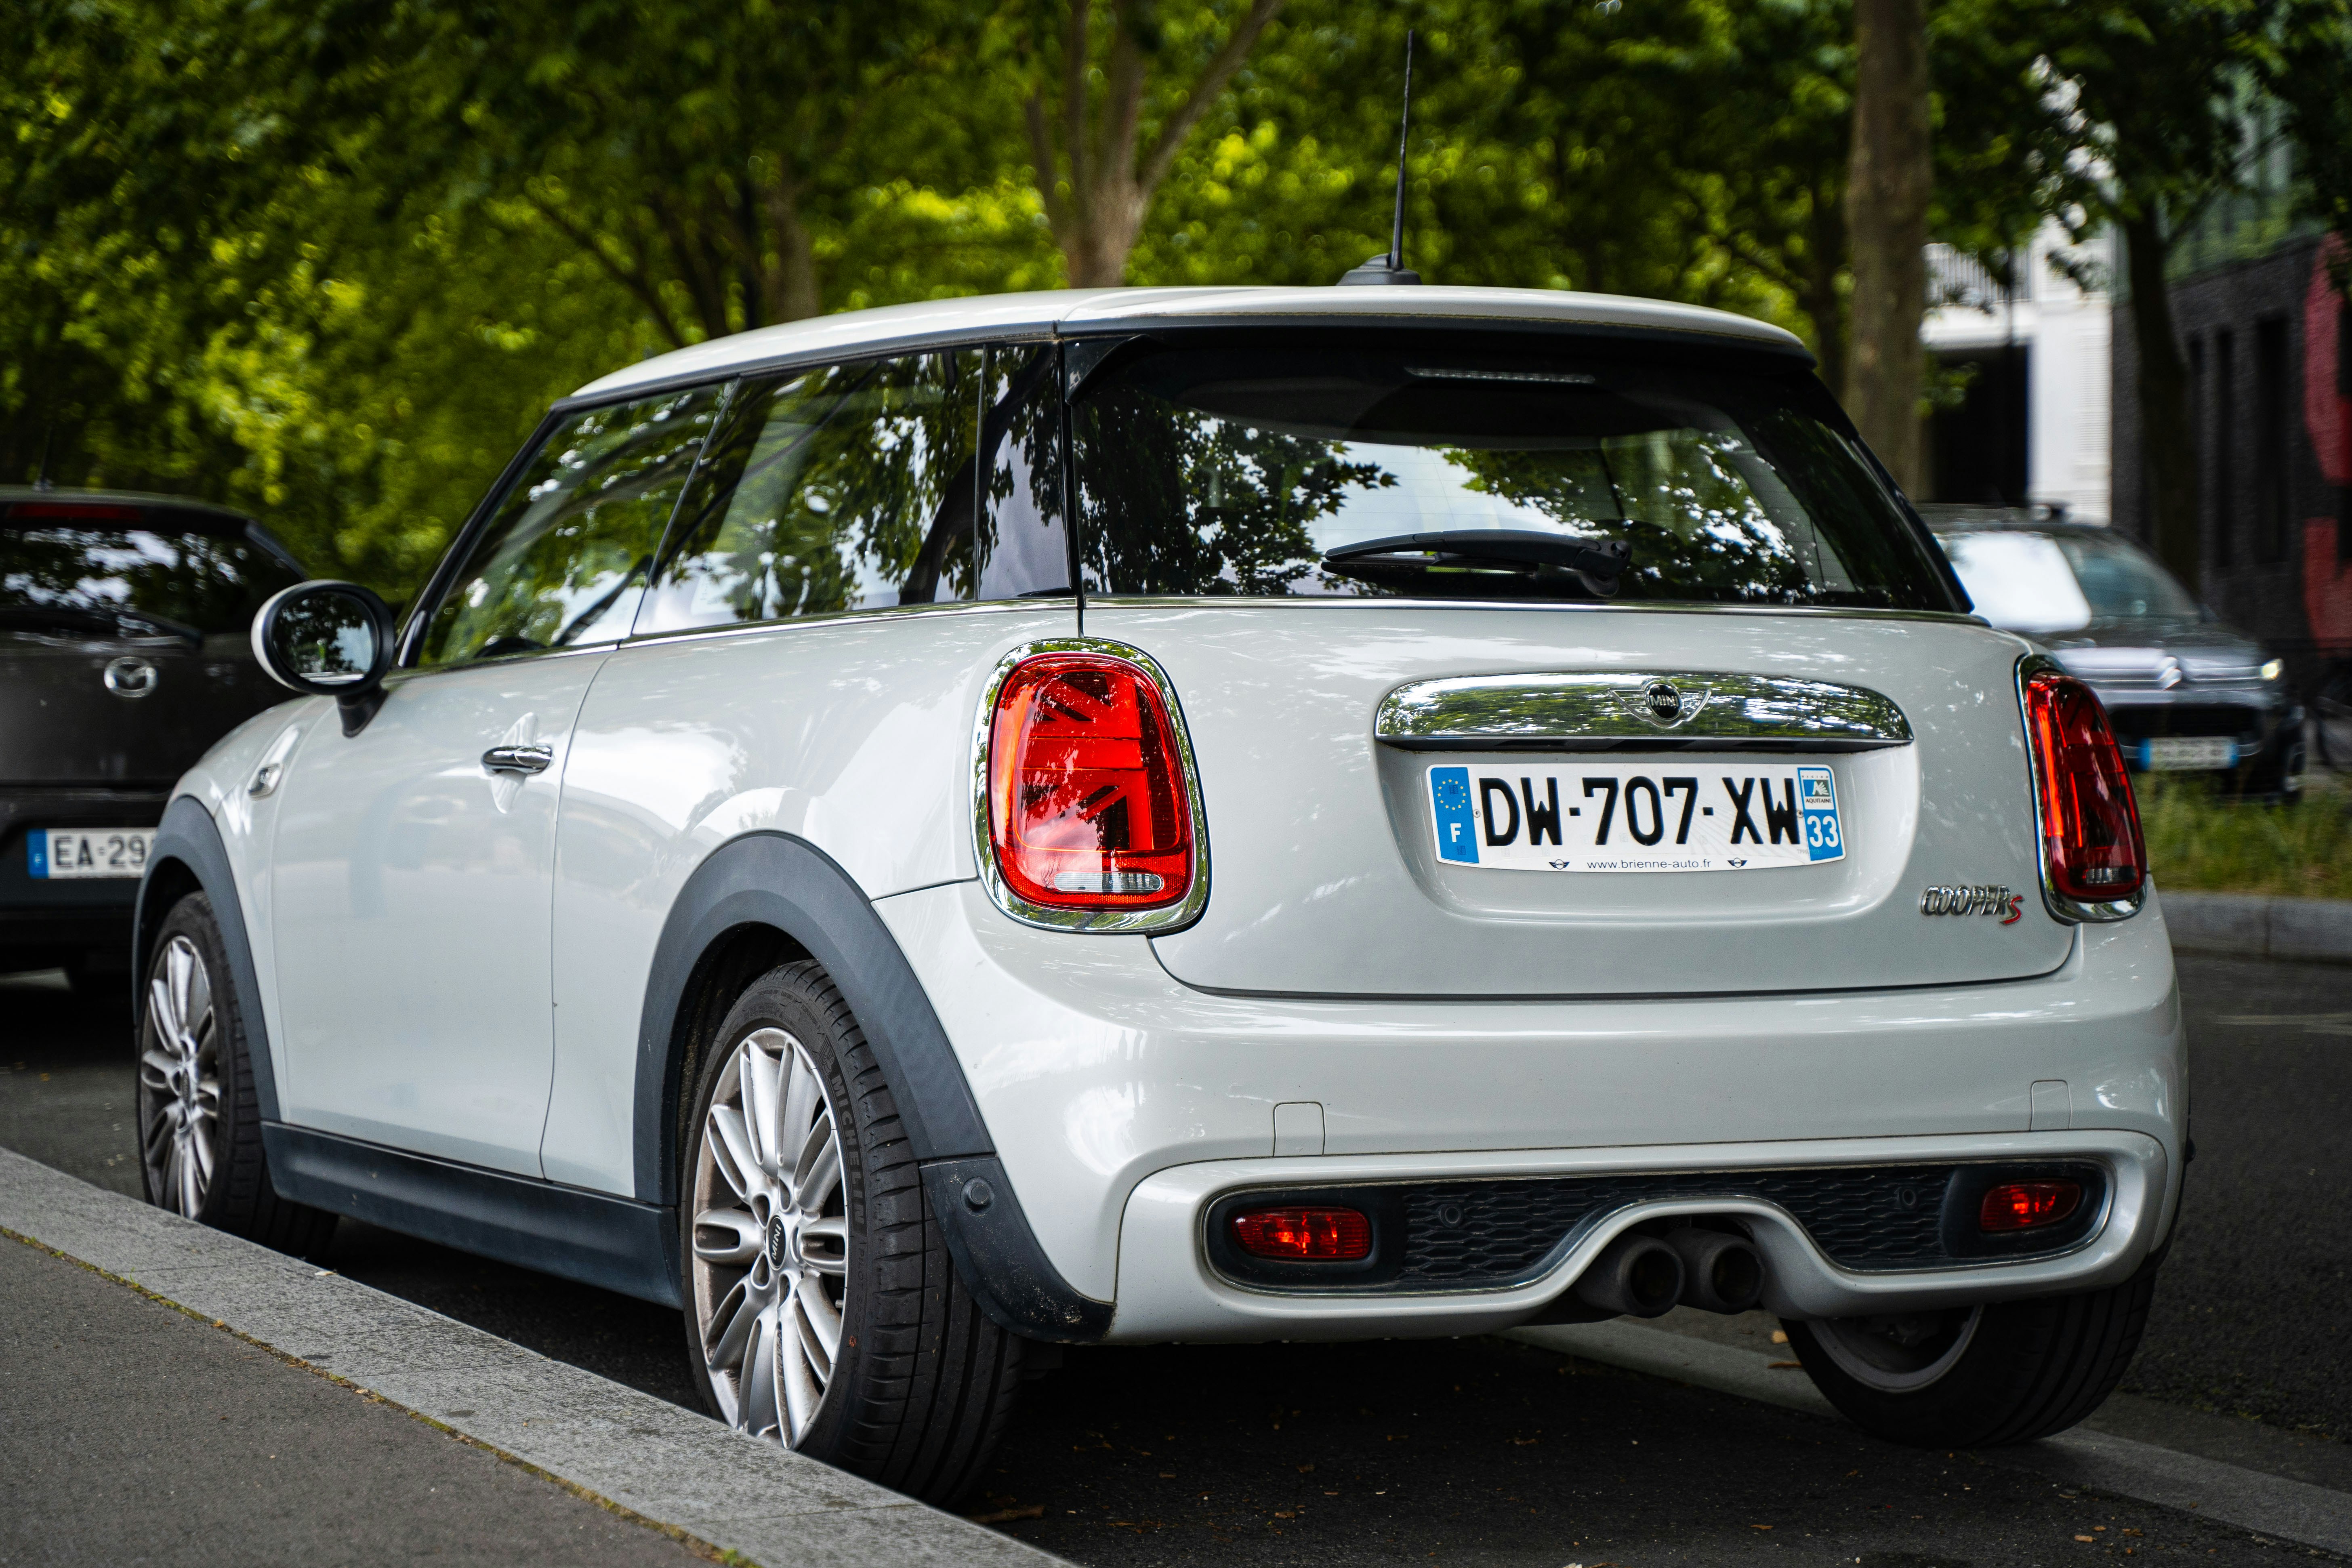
<point x="328" y="639"/>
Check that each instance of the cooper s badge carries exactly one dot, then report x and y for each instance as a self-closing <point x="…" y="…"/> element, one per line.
<point x="1999" y="901"/>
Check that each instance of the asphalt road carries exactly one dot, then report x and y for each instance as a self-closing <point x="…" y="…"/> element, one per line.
<point x="1482" y="1451"/>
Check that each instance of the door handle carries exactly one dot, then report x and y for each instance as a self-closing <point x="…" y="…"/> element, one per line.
<point x="518" y="759"/>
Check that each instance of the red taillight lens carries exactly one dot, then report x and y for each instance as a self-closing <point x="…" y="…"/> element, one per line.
<point x="1310" y="1236"/>
<point x="2090" y="844"/>
<point x="2022" y="1205"/>
<point x="1086" y="802"/>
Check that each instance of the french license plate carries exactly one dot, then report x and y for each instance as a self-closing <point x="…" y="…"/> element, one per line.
<point x="1687" y="816"/>
<point x="2187" y="753"/>
<point x="59" y="853"/>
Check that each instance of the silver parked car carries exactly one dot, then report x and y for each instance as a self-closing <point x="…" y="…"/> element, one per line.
<point x="1193" y="815"/>
<point x="2186" y="692"/>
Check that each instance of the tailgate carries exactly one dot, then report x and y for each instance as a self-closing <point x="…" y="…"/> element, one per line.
<point x="1327" y="875"/>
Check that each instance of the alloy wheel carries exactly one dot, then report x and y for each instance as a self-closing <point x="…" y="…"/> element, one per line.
<point x="179" y="1080"/>
<point x="1898" y="1352"/>
<point x="770" y="1240"/>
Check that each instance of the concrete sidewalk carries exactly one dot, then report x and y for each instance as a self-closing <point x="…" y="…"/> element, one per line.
<point x="182" y="1410"/>
<point x="133" y="1432"/>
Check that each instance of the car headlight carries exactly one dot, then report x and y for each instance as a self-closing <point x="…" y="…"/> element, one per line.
<point x="2272" y="669"/>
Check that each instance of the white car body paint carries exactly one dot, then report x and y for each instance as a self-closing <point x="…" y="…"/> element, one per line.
<point x="854" y="733"/>
<point x="410" y="892"/>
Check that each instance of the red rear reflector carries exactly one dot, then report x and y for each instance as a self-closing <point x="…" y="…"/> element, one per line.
<point x="1315" y="1235"/>
<point x="2022" y="1205"/>
<point x="2091" y="845"/>
<point x="1086" y="802"/>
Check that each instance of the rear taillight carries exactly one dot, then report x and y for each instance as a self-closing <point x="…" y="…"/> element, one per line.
<point x="2094" y="861"/>
<point x="1089" y="805"/>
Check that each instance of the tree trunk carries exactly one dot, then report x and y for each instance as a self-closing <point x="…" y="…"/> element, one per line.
<point x="1824" y="253"/>
<point x="1890" y="180"/>
<point x="2166" y="435"/>
<point x="791" y="285"/>
<point x="1109" y="178"/>
<point x="1101" y="231"/>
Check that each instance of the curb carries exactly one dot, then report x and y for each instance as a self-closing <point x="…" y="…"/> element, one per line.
<point x="2258" y="925"/>
<point x="2267" y="1504"/>
<point x="681" y="1470"/>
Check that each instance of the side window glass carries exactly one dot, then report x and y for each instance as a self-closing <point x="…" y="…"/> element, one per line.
<point x="838" y="488"/>
<point x="565" y="556"/>
<point x="1023" y="548"/>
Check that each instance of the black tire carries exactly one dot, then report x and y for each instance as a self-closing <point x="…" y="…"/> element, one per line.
<point x="2027" y="1370"/>
<point x="237" y="1195"/>
<point x="921" y="1382"/>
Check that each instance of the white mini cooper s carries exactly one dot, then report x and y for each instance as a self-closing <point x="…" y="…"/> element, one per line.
<point x="1191" y="815"/>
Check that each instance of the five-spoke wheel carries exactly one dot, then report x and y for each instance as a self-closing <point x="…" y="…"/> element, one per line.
<point x="771" y="1237"/>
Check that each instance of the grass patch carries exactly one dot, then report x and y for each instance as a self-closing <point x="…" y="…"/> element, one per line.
<point x="2203" y="842"/>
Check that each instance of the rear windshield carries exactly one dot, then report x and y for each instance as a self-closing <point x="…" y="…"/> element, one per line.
<point x="131" y="571"/>
<point x="2025" y="581"/>
<point x="1265" y="469"/>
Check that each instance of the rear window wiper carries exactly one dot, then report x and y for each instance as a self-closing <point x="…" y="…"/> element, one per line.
<point x="104" y="623"/>
<point x="1596" y="563"/>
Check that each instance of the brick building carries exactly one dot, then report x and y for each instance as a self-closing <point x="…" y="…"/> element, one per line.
<point x="2269" y="346"/>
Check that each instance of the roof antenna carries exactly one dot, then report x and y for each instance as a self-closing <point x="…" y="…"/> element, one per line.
<point x="41" y="480"/>
<point x="1391" y="268"/>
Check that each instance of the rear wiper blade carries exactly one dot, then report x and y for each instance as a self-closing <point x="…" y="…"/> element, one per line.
<point x="75" y="618"/>
<point x="1597" y="563"/>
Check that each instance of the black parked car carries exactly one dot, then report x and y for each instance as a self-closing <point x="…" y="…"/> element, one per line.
<point x="2185" y="691"/>
<point x="125" y="652"/>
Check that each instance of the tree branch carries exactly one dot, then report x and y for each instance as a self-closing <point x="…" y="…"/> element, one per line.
<point x="1220" y="70"/>
<point x="634" y="280"/>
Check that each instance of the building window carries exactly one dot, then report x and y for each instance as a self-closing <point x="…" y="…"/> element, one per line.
<point x="2273" y="445"/>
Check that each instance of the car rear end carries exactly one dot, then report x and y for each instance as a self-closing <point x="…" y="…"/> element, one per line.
<point x="1526" y="804"/>
<point x="124" y="653"/>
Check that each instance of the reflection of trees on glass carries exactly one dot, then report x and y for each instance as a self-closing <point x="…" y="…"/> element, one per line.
<point x="1180" y="501"/>
<point x="838" y="488"/>
<point x="1021" y="545"/>
<point x="564" y="559"/>
<point x="69" y="578"/>
<point x="1678" y="496"/>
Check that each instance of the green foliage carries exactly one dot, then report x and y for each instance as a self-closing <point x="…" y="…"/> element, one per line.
<point x="330" y="261"/>
<point x="2202" y="841"/>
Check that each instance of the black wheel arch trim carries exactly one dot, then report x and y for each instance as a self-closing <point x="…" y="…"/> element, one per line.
<point x="187" y="837"/>
<point x="788" y="885"/>
<point x="1006" y="1271"/>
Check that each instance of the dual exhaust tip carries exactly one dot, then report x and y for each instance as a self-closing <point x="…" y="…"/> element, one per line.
<point x="1648" y="1277"/>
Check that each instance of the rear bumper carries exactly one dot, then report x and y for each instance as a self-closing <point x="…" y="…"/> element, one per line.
<point x="1122" y="1103"/>
<point x="58" y="917"/>
<point x="1168" y="1289"/>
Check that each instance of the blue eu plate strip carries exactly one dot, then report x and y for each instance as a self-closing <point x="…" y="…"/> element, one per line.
<point x="37" y="851"/>
<point x="1457" y="830"/>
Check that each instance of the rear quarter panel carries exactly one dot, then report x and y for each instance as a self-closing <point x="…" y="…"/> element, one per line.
<point x="854" y="734"/>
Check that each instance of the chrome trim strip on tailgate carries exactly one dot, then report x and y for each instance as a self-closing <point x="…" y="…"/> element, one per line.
<point x="1635" y="711"/>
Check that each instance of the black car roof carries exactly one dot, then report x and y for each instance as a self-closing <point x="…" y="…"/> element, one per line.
<point x="14" y="496"/>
